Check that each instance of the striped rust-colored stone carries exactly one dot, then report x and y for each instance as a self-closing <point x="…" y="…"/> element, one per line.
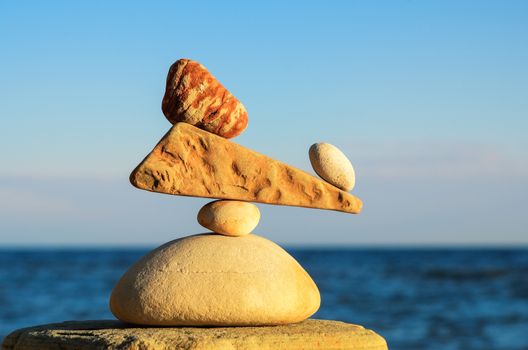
<point x="194" y="96"/>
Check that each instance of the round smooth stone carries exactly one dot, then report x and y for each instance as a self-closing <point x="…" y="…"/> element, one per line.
<point x="332" y="165"/>
<point x="215" y="280"/>
<point x="230" y="218"/>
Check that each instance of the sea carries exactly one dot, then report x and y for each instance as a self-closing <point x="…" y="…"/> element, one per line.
<point x="416" y="298"/>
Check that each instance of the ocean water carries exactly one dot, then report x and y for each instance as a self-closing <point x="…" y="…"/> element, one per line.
<point x="416" y="298"/>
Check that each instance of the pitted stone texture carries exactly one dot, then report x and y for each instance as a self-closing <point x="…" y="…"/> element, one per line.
<point x="194" y="96"/>
<point x="91" y="335"/>
<point x="192" y="162"/>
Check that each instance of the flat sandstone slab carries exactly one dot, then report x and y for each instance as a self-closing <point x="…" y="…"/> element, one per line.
<point x="83" y="335"/>
<point x="192" y="162"/>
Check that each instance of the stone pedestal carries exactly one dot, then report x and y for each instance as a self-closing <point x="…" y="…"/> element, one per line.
<point x="84" y="335"/>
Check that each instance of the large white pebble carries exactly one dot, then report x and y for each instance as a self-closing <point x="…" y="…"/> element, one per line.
<point x="231" y="218"/>
<point x="332" y="165"/>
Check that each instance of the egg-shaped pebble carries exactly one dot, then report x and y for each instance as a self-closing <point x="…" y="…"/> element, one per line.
<point x="332" y="165"/>
<point x="230" y="218"/>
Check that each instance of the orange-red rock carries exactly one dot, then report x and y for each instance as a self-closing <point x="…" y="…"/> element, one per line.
<point x="194" y="96"/>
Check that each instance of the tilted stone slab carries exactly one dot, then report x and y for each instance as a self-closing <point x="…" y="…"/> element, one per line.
<point x="90" y="335"/>
<point x="192" y="162"/>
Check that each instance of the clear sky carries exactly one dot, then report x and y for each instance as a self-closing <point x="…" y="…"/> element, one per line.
<point x="429" y="99"/>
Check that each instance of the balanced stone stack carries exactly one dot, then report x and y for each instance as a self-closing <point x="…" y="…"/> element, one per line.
<point x="229" y="276"/>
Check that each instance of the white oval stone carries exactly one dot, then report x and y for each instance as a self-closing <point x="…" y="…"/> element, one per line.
<point x="215" y="280"/>
<point x="231" y="218"/>
<point x="332" y="165"/>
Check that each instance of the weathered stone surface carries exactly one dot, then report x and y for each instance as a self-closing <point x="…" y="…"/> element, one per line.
<point x="192" y="162"/>
<point x="332" y="165"/>
<point x="90" y="335"/>
<point x="231" y="218"/>
<point x="194" y="96"/>
<point x="215" y="280"/>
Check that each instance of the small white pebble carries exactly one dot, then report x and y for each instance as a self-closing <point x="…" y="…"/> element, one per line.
<point x="332" y="165"/>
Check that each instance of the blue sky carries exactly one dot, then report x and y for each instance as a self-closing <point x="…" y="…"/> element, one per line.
<point x="429" y="99"/>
